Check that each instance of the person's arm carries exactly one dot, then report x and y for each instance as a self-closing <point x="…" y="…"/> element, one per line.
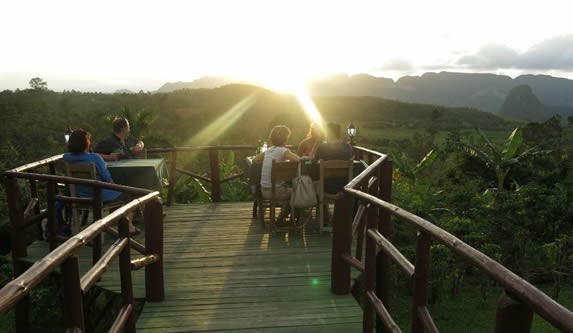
<point x="301" y="148"/>
<point x="105" y="149"/>
<point x="259" y="158"/>
<point x="136" y="146"/>
<point x="101" y="169"/>
<point x="289" y="155"/>
<point x="110" y="157"/>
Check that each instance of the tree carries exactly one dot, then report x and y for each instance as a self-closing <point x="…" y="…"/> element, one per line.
<point x="501" y="158"/>
<point x="38" y="84"/>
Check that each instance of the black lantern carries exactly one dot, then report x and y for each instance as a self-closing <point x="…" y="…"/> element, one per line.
<point x="351" y="130"/>
<point x="67" y="134"/>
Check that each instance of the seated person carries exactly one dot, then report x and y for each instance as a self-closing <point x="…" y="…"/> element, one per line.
<point x="279" y="136"/>
<point x="121" y="144"/>
<point x="308" y="145"/>
<point x="334" y="149"/>
<point x="78" y="152"/>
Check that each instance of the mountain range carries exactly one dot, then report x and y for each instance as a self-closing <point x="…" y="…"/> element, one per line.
<point x="486" y="92"/>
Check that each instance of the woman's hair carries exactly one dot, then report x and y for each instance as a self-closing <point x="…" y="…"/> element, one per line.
<point x="279" y="135"/>
<point x="80" y="140"/>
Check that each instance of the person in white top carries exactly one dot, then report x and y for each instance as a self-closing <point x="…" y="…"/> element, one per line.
<point x="277" y="151"/>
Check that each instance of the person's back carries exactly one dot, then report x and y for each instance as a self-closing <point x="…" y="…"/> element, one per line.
<point x="78" y="152"/>
<point x="278" y="152"/>
<point x="334" y="149"/>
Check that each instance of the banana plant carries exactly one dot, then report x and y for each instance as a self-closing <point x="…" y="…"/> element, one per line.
<point x="405" y="168"/>
<point x="500" y="159"/>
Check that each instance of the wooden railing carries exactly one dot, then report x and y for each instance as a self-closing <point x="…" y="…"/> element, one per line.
<point x="215" y="177"/>
<point x="372" y="188"/>
<point x="16" y="293"/>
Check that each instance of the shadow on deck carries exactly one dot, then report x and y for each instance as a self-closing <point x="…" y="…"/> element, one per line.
<point x="224" y="273"/>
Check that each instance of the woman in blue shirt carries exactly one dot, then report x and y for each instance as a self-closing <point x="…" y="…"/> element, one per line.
<point x="79" y="152"/>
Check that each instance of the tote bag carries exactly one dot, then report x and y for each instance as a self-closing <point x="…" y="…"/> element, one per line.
<point x="303" y="194"/>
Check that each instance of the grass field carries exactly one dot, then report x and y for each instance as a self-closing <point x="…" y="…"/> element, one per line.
<point x="401" y="133"/>
<point x="468" y="313"/>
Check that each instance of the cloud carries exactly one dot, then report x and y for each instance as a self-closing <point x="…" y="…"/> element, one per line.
<point x="551" y="54"/>
<point x="491" y="56"/>
<point x="397" y="64"/>
<point x="555" y="54"/>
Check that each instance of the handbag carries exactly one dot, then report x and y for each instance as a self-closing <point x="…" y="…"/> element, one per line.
<point x="303" y="193"/>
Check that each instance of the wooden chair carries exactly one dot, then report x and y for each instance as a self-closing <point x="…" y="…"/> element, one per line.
<point x="84" y="171"/>
<point x="330" y="169"/>
<point x="280" y="172"/>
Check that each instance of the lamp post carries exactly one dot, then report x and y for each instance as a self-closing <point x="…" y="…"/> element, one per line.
<point x="67" y="134"/>
<point x="351" y="130"/>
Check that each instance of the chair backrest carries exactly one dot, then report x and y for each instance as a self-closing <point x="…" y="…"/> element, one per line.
<point x="283" y="171"/>
<point x="335" y="168"/>
<point x="80" y="170"/>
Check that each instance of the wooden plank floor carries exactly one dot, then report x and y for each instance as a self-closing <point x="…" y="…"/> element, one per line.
<point x="223" y="273"/>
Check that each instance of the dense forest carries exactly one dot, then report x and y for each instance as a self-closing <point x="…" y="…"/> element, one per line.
<point x="510" y="197"/>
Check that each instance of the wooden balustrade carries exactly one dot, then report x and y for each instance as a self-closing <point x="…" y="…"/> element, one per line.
<point x="515" y="308"/>
<point x="15" y="294"/>
<point x="372" y="190"/>
<point x="214" y="177"/>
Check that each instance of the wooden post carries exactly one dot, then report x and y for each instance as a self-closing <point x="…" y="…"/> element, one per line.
<point x="370" y="269"/>
<point x="153" y="219"/>
<point x="73" y="298"/>
<point x="97" y="214"/>
<point x="52" y="219"/>
<point x="172" y="171"/>
<point x="215" y="177"/>
<point x="19" y="249"/>
<point x="383" y="262"/>
<point x="34" y="194"/>
<point x="341" y="244"/>
<point x="125" y="274"/>
<point x="512" y="315"/>
<point x="421" y="277"/>
<point x="52" y="168"/>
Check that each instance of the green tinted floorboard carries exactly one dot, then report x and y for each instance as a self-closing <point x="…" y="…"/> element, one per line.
<point x="224" y="273"/>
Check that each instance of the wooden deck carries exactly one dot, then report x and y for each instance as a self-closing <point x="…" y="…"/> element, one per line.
<point x="223" y="273"/>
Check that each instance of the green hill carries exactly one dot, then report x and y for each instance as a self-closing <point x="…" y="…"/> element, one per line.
<point x="238" y="114"/>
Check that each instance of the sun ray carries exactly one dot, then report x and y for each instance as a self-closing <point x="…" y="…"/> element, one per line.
<point x="216" y="128"/>
<point x="308" y="106"/>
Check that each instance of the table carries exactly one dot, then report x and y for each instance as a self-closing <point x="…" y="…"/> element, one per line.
<point x="150" y="173"/>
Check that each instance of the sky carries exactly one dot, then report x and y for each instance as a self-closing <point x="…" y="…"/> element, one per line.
<point x="139" y="45"/>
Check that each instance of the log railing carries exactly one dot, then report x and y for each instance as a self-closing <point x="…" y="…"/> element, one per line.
<point x="15" y="294"/>
<point x="372" y="189"/>
<point x="214" y="171"/>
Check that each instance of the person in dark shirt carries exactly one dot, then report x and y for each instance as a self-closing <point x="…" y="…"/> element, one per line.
<point x="121" y="144"/>
<point x="334" y="149"/>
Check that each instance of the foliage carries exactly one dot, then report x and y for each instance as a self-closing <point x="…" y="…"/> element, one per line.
<point x="38" y="84"/>
<point x="501" y="159"/>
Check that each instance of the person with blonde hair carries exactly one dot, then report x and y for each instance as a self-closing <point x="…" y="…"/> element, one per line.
<point x="276" y="152"/>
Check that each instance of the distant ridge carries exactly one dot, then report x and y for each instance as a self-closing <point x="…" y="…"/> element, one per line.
<point x="481" y="91"/>
<point x="208" y="82"/>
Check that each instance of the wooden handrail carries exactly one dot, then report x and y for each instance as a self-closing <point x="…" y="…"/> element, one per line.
<point x="37" y="164"/>
<point x="21" y="285"/>
<point x="518" y="288"/>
